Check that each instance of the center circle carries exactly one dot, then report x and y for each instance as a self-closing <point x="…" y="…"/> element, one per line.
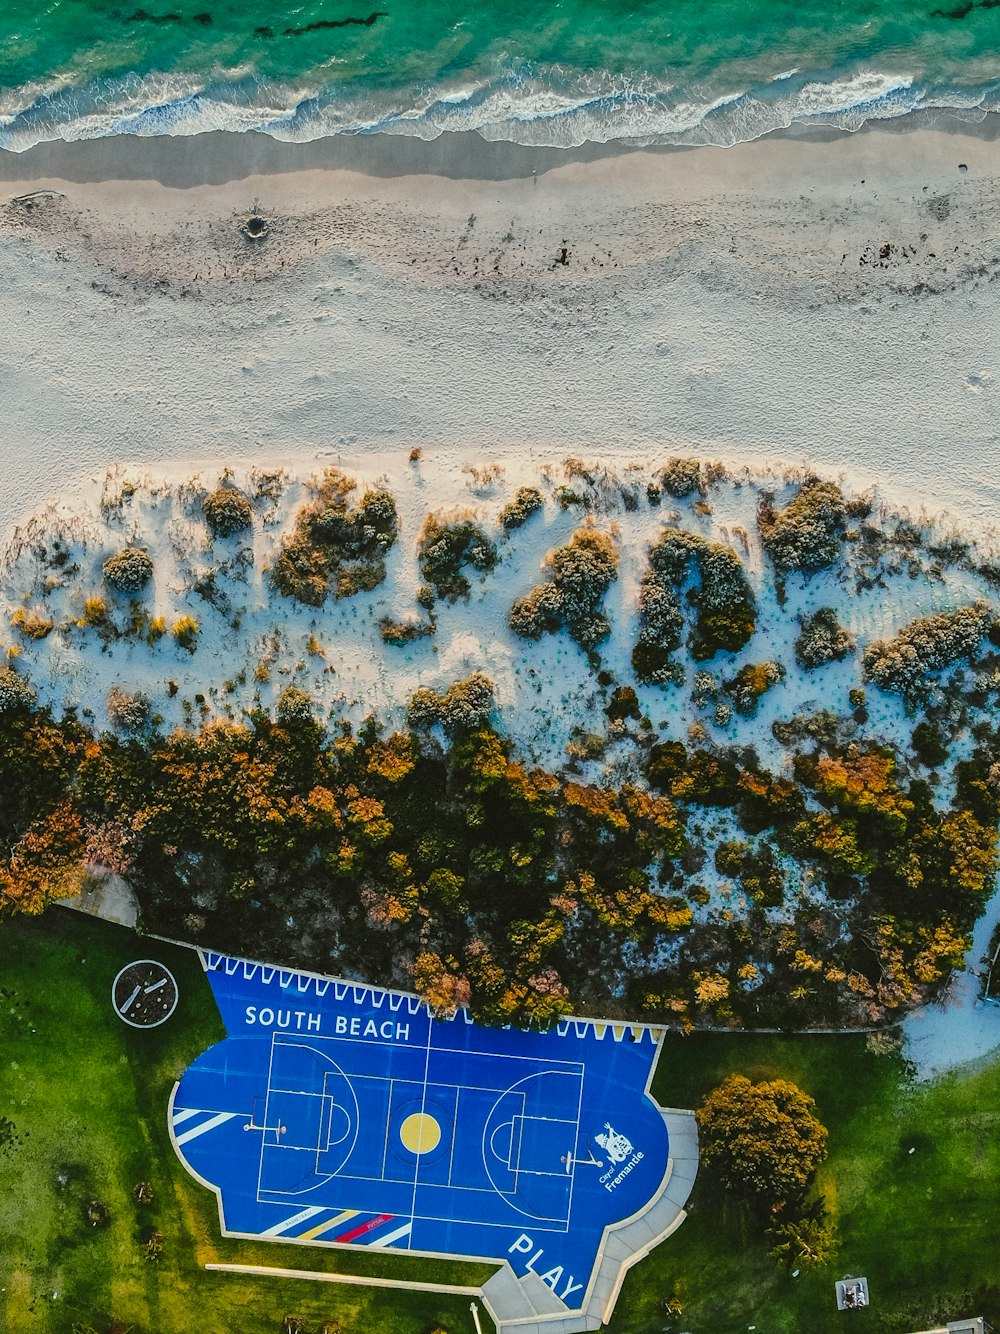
<point x="420" y="1133"/>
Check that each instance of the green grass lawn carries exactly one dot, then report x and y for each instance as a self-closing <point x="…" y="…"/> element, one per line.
<point x="89" y="1097"/>
<point x="923" y="1227"/>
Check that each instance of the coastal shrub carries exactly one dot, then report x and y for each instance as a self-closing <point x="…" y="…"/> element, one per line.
<point x="808" y="533"/>
<point x="624" y="703"/>
<point x="755" y="870"/>
<point x="681" y="477"/>
<point x="293" y="706"/>
<point x="537" y="613"/>
<point x="582" y="572"/>
<point x="185" y="632"/>
<point x="128" y="712"/>
<point x="95" y="612"/>
<point x="227" y="511"/>
<point x="445" y="546"/>
<point x="727" y="613"/>
<point x="465" y="705"/>
<point x="928" y="745"/>
<point x="32" y="624"/>
<point x="405" y="631"/>
<point x="15" y="691"/>
<point x="661" y="626"/>
<point x="723" y="600"/>
<point x="901" y="665"/>
<point x="527" y="501"/>
<point x="424" y="709"/>
<point x="822" y="639"/>
<point x="751" y="682"/>
<point x="129" y="570"/>
<point x="661" y="622"/>
<point x="336" y="545"/>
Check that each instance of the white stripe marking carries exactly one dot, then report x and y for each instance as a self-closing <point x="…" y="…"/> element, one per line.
<point x="185" y="1115"/>
<point x="300" y="1217"/>
<point x="210" y="1124"/>
<point x="393" y="1236"/>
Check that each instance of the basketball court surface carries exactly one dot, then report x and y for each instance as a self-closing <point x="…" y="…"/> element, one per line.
<point x="339" y="1114"/>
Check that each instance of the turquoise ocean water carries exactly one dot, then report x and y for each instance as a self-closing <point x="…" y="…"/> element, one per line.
<point x="644" y="71"/>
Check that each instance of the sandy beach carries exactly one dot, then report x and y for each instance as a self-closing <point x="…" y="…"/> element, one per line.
<point x="791" y="299"/>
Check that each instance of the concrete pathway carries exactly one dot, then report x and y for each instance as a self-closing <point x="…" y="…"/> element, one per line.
<point x="110" y="899"/>
<point x="961" y="1027"/>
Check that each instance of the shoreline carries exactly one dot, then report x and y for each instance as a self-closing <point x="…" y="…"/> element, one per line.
<point x="219" y="157"/>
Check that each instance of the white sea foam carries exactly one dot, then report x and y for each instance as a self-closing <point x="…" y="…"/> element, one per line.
<point x="526" y="105"/>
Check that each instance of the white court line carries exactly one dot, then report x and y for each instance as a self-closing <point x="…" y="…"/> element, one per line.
<point x="393" y="1236"/>
<point x="300" y="1217"/>
<point x="186" y="1114"/>
<point x="206" y="1125"/>
<point x="423" y="1106"/>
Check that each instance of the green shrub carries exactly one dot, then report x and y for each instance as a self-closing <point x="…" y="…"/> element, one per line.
<point x="424" y="709"/>
<point x="293" y="706"/>
<point x="726" y="611"/>
<point x="822" y="639"/>
<point x="928" y="745"/>
<point x="623" y="704"/>
<point x="582" y="572"/>
<point x="681" y="477"/>
<point x="902" y="665"/>
<point x="751" y="682"/>
<point x="128" y="712"/>
<point x="404" y="632"/>
<point x="445" y="547"/>
<point x="333" y="544"/>
<point x="15" y="691"/>
<point x="537" y="613"/>
<point x="185" y="632"/>
<point x="227" y="511"/>
<point x="129" y="570"/>
<point x="527" y="501"/>
<point x="464" y="706"/>
<point x="808" y="533"/>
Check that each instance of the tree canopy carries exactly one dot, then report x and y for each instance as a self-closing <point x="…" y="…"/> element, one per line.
<point x="763" y="1142"/>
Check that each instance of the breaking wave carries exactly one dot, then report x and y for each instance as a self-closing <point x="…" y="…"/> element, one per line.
<point x="542" y="107"/>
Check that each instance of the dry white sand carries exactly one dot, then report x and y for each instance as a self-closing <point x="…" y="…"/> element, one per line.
<point x="830" y="301"/>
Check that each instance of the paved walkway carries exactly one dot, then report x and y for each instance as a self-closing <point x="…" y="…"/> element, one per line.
<point x="528" y="1306"/>
<point x="962" y="1027"/>
<point x="112" y="900"/>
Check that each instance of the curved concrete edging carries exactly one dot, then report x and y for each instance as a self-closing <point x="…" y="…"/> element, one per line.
<point x="509" y="1299"/>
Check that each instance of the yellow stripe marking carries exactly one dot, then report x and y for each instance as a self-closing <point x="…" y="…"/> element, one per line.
<point x="325" y="1227"/>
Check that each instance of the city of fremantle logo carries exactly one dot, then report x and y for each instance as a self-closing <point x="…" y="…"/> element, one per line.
<point x="616" y="1146"/>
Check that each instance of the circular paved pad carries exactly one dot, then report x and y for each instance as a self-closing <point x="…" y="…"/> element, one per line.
<point x="420" y="1133"/>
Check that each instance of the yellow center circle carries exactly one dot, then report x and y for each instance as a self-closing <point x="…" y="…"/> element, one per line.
<point x="420" y="1133"/>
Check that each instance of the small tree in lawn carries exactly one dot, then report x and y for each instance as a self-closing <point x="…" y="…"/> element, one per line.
<point x="761" y="1142"/>
<point x="800" y="1243"/>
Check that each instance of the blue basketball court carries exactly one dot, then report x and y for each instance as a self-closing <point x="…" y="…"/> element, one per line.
<point x="340" y="1114"/>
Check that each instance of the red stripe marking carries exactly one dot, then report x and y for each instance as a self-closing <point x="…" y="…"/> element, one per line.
<point x="370" y="1226"/>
